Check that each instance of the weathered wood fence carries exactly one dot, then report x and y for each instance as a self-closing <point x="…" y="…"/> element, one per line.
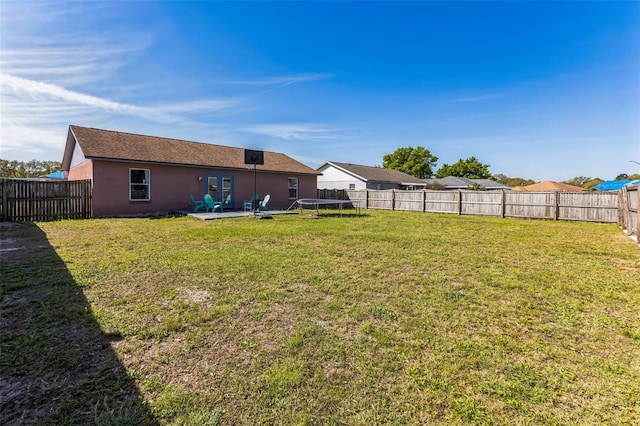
<point x="554" y="205"/>
<point x="628" y="207"/>
<point x="30" y="200"/>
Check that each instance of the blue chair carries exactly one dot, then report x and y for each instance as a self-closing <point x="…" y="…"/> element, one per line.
<point x="247" y="205"/>
<point x="197" y="204"/>
<point x="212" y="206"/>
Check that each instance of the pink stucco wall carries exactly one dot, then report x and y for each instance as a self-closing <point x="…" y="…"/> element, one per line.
<point x="170" y="187"/>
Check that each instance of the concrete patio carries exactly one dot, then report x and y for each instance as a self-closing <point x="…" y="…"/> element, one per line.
<point x="233" y="214"/>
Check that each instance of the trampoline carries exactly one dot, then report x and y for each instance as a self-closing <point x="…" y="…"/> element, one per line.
<point x="315" y="203"/>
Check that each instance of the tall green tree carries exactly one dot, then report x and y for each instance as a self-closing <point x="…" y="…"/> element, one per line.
<point x="418" y="161"/>
<point x="591" y="183"/>
<point x="29" y="169"/>
<point x="470" y="168"/>
<point x="625" y="176"/>
<point x="579" y="180"/>
<point x="512" y="181"/>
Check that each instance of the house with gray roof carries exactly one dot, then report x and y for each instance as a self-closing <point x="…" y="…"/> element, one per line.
<point x="336" y="175"/>
<point x="135" y="174"/>
<point x="455" y="182"/>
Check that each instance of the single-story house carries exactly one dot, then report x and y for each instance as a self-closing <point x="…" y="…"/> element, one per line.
<point x="139" y="175"/>
<point x="455" y="182"/>
<point x="549" y="185"/>
<point x="337" y="175"/>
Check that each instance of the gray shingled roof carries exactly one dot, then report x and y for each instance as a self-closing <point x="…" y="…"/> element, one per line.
<point x="455" y="182"/>
<point x="378" y="174"/>
<point x="112" y="145"/>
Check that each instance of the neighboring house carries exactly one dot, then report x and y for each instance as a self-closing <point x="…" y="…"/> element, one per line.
<point x="549" y="185"/>
<point x="137" y="175"/>
<point x="354" y="176"/>
<point x="455" y="182"/>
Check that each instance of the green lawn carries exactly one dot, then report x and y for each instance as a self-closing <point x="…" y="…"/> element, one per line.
<point x="385" y="318"/>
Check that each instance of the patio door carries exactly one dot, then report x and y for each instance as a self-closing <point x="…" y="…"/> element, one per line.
<point x="220" y="187"/>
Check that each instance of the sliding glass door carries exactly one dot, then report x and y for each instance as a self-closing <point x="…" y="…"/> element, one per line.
<point x="220" y="187"/>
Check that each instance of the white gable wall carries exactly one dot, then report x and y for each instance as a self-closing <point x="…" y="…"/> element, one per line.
<point x="333" y="178"/>
<point x="78" y="155"/>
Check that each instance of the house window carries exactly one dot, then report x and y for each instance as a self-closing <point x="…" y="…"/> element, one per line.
<point x="352" y="186"/>
<point x="293" y="188"/>
<point x="139" y="187"/>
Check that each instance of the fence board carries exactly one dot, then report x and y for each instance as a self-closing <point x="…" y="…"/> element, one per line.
<point x="380" y="200"/>
<point x="29" y="200"/>
<point x="481" y="203"/>
<point x="628" y="208"/>
<point x="442" y="201"/>
<point x="588" y="206"/>
<point x="408" y="200"/>
<point x="531" y="205"/>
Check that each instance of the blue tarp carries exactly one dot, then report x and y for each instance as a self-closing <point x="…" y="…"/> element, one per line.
<point x="55" y="175"/>
<point x="614" y="185"/>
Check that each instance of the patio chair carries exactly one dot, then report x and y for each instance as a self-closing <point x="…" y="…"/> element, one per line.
<point x="227" y="201"/>
<point x="197" y="204"/>
<point x="263" y="203"/>
<point x="212" y="205"/>
<point x="247" y="205"/>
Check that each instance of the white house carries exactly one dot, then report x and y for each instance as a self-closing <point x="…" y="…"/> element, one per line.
<point x="337" y="175"/>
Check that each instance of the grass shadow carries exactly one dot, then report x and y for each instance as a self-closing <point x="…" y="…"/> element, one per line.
<point x="56" y="364"/>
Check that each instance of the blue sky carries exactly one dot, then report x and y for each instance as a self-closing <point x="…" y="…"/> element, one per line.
<point x="539" y="90"/>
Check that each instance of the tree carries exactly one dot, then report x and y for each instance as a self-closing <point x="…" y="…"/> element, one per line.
<point x="624" y="176"/>
<point x="33" y="168"/>
<point x="578" y="180"/>
<point x="591" y="183"/>
<point x="418" y="161"/>
<point x="509" y="181"/>
<point x="470" y="168"/>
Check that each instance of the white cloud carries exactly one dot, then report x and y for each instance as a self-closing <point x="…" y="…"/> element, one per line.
<point x="479" y="98"/>
<point x="34" y="88"/>
<point x="59" y="98"/>
<point x="293" y="131"/>
<point x="278" y="81"/>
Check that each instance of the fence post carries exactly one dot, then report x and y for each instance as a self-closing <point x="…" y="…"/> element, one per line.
<point x="5" y="204"/>
<point x="459" y="201"/>
<point x="621" y="207"/>
<point x="504" y="202"/>
<point x="393" y="200"/>
<point x="556" y="205"/>
<point x="637" y="214"/>
<point x="424" y="200"/>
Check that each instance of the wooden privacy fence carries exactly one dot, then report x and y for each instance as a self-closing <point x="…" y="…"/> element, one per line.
<point x="578" y="206"/>
<point x="29" y="200"/>
<point x="628" y="206"/>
